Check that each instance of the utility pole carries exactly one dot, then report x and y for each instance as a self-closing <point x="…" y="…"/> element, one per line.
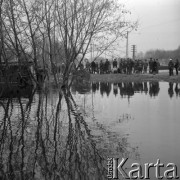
<point x="134" y="51"/>
<point x="127" y="44"/>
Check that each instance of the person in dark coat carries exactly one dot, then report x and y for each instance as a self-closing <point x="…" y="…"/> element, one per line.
<point x="158" y="66"/>
<point x="93" y="67"/>
<point x="176" y="66"/>
<point x="128" y="66"/>
<point x="154" y="66"/>
<point x="114" y="66"/>
<point x="97" y="68"/>
<point x="107" y="66"/>
<point x="145" y="66"/>
<point x="101" y="66"/>
<point x="115" y="63"/>
<point x="171" y="67"/>
<point x="150" y="66"/>
<point x="140" y="66"/>
<point x="136" y="64"/>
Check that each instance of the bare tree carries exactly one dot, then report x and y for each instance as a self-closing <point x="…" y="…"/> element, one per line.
<point x="35" y="27"/>
<point x="1" y="31"/>
<point x="79" y="22"/>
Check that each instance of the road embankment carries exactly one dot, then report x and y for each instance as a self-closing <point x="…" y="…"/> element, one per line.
<point x="162" y="76"/>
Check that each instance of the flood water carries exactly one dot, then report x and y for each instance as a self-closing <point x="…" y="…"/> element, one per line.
<point x="46" y="135"/>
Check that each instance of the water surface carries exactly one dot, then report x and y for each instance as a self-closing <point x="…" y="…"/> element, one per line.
<point x="46" y="135"/>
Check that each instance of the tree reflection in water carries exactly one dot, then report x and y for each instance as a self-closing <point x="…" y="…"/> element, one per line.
<point x="41" y="147"/>
<point x="46" y="136"/>
<point x="41" y="138"/>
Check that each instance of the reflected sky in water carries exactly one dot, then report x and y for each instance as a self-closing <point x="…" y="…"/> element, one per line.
<point x="48" y="135"/>
<point x="147" y="114"/>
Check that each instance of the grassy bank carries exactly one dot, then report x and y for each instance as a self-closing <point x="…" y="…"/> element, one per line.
<point x="162" y="76"/>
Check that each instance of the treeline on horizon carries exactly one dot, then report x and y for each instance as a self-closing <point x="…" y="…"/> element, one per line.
<point x="163" y="54"/>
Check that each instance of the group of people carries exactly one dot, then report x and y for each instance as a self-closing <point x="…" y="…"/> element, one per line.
<point x="129" y="66"/>
<point x="124" y="66"/>
<point x="172" y="65"/>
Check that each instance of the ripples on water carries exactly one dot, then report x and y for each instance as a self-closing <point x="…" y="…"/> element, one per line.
<point x="48" y="135"/>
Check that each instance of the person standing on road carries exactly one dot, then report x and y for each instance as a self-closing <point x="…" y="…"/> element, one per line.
<point x="171" y="67"/>
<point x="176" y="66"/>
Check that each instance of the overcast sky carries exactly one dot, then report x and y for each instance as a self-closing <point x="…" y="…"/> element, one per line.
<point x="159" y="24"/>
